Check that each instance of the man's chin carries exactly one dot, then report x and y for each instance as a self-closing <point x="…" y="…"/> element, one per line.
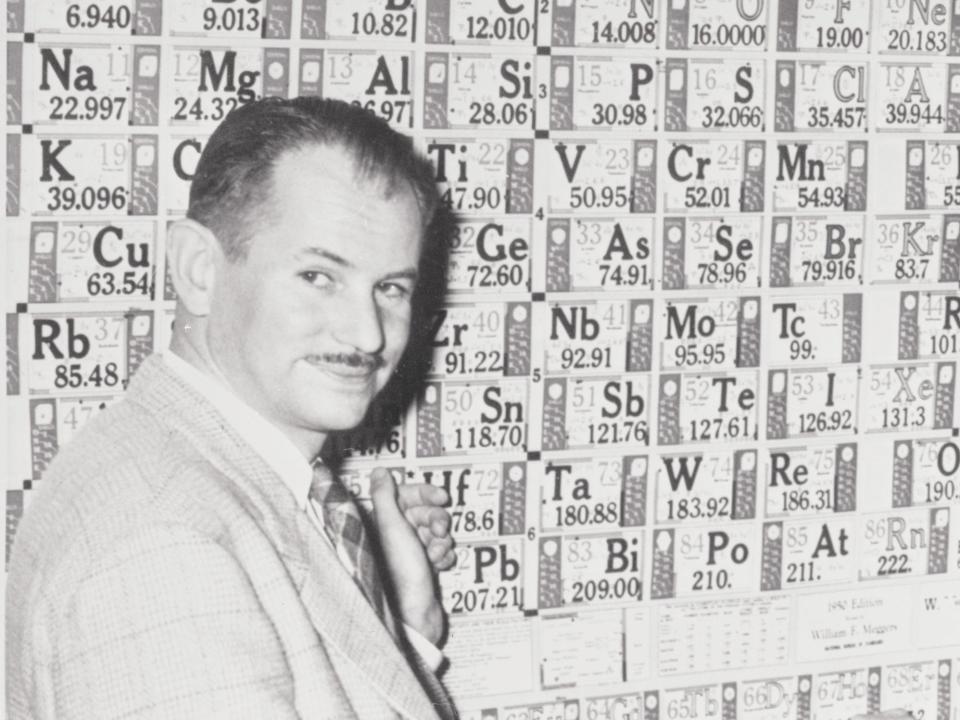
<point x="334" y="413"/>
<point x="335" y="403"/>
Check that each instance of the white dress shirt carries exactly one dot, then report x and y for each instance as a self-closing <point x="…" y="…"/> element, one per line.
<point x="283" y="457"/>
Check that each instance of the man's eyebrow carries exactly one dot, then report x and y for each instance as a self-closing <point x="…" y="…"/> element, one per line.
<point x="332" y="257"/>
<point x="406" y="274"/>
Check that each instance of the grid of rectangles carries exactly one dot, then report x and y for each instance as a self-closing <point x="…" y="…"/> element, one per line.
<point x="694" y="388"/>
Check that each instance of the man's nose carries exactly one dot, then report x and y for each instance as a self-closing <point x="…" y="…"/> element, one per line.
<point x="361" y="325"/>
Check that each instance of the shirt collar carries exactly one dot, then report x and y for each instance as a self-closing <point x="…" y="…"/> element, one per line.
<point x="276" y="449"/>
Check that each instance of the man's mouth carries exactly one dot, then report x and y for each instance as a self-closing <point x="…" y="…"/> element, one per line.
<point x="348" y="367"/>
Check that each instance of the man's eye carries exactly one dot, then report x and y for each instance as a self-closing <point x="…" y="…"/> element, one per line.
<point x="317" y="278"/>
<point x="394" y="291"/>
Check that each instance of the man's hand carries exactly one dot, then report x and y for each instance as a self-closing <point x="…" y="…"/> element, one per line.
<point x="415" y="538"/>
<point x="422" y="506"/>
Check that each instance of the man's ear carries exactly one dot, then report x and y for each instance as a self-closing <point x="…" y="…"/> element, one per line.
<point x="193" y="255"/>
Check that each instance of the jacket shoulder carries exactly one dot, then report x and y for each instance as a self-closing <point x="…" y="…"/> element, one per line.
<point x="126" y="470"/>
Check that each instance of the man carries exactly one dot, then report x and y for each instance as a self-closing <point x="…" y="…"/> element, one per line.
<point x="184" y="558"/>
<point x="177" y="561"/>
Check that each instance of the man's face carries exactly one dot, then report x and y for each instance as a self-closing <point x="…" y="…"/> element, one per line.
<point x="308" y="328"/>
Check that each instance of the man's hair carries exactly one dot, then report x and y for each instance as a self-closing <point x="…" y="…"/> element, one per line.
<point x="234" y="177"/>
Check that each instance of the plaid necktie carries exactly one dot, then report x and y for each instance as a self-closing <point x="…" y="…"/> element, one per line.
<point x="345" y="528"/>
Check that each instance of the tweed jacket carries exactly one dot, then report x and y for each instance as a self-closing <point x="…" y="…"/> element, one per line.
<point x="162" y="570"/>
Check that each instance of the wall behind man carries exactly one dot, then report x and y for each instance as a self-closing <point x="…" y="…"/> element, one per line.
<point x="694" y="391"/>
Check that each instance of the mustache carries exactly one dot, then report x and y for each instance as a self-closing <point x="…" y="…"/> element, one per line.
<point x="354" y="360"/>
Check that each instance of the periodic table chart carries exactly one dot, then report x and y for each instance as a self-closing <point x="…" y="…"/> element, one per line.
<point x="693" y="390"/>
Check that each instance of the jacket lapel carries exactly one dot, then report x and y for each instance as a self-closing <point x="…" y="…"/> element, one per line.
<point x="344" y="618"/>
<point x="336" y="606"/>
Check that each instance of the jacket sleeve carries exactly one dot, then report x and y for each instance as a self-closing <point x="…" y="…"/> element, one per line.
<point x="166" y="625"/>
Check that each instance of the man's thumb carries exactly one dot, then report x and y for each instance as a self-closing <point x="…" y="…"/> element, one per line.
<point x="383" y="494"/>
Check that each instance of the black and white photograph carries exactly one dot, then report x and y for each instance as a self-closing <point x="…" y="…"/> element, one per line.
<point x="482" y="359"/>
